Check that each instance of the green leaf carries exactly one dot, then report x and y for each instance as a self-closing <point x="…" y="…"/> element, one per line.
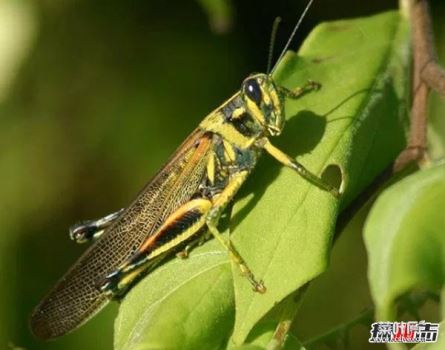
<point x="264" y="340"/>
<point x="355" y="122"/>
<point x="270" y="332"/>
<point x="405" y="241"/>
<point x="290" y="343"/>
<point x="181" y="305"/>
<point x="283" y="225"/>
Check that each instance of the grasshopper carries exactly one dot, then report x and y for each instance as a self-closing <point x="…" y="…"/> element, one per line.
<point x="185" y="199"/>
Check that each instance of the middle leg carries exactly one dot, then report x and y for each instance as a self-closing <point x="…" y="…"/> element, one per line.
<point x="219" y="204"/>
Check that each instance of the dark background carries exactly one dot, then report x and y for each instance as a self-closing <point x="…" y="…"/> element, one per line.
<point x="96" y="95"/>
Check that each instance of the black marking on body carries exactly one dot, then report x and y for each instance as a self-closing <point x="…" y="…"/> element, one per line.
<point x="227" y="109"/>
<point x="246" y="158"/>
<point x="245" y="125"/>
<point x="177" y="227"/>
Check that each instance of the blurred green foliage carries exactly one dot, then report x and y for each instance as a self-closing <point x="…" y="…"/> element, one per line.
<point x="93" y="99"/>
<point x="405" y="241"/>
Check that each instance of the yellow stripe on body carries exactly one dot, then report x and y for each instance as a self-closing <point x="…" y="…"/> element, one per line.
<point x="238" y="112"/>
<point x="215" y="123"/>
<point x="265" y="97"/>
<point x="275" y="99"/>
<point x="256" y="112"/>
<point x="130" y="277"/>
<point x="199" y="204"/>
<point x="211" y="169"/>
<point x="229" y="152"/>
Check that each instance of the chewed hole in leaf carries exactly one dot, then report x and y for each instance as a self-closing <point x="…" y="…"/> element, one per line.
<point x="333" y="175"/>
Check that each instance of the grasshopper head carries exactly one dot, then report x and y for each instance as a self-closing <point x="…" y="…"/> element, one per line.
<point x="263" y="102"/>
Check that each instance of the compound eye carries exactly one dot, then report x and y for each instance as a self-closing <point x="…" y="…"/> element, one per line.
<point x="253" y="90"/>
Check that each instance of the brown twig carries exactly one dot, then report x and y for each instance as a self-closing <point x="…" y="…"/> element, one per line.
<point x="427" y="74"/>
<point x="431" y="73"/>
<point x="434" y="75"/>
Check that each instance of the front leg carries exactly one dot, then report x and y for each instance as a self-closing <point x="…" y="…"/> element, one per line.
<point x="299" y="91"/>
<point x="286" y="160"/>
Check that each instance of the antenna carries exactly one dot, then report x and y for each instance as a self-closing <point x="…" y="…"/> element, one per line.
<point x="292" y="35"/>
<point x="273" y="36"/>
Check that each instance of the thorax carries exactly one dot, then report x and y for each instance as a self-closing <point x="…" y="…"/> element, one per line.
<point x="234" y="133"/>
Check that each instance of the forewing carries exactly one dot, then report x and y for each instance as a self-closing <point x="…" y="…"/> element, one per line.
<point x="75" y="298"/>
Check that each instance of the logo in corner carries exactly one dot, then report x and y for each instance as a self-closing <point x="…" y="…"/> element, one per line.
<point x="404" y="332"/>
